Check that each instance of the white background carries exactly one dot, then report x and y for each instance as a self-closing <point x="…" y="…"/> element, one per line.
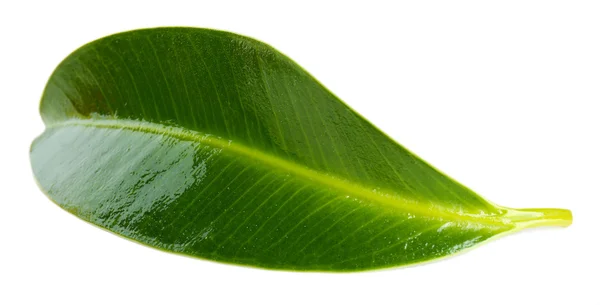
<point x="501" y="95"/>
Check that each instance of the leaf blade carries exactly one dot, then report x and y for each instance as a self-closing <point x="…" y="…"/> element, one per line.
<point x="241" y="127"/>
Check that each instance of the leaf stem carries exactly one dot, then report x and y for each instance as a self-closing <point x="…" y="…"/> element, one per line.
<point x="531" y="218"/>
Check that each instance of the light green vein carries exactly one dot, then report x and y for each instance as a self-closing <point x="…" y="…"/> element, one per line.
<point x="131" y="77"/>
<point x="139" y="62"/>
<point x="93" y="75"/>
<point x="164" y="75"/>
<point x="268" y="95"/>
<point x="384" y="197"/>
<point x="300" y="222"/>
<point x="249" y="239"/>
<point x="395" y="244"/>
<point x="351" y="234"/>
<point x="327" y="230"/>
<point x="207" y="204"/>
<point x="109" y="71"/>
<point x="239" y="96"/>
<point x="328" y="133"/>
<point x="257" y="196"/>
<point x="212" y="80"/>
<point x="185" y="87"/>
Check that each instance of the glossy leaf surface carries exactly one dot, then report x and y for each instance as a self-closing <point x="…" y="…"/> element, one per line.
<point x="217" y="146"/>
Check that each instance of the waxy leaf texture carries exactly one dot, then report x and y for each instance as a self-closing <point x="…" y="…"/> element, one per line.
<point x="215" y="145"/>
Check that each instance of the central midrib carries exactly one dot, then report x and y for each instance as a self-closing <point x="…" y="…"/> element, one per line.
<point x="311" y="175"/>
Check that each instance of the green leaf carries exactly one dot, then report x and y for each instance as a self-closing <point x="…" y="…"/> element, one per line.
<point x="214" y="145"/>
